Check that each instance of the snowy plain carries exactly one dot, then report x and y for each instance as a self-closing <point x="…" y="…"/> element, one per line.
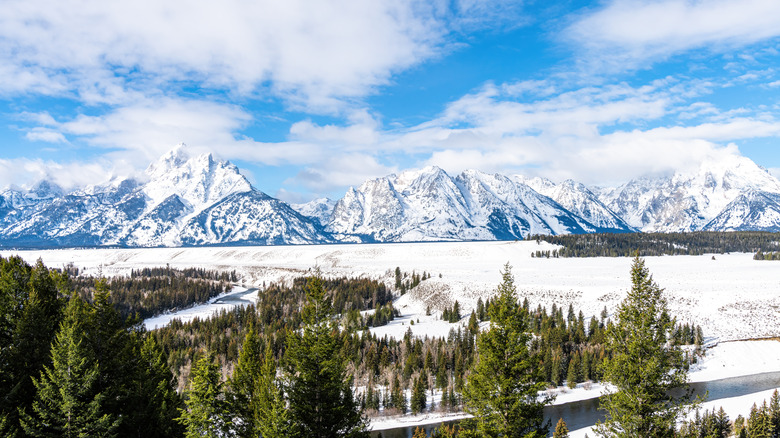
<point x="732" y="296"/>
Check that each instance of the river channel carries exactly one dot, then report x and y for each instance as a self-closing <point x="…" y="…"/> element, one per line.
<point x="238" y="296"/>
<point x="586" y="413"/>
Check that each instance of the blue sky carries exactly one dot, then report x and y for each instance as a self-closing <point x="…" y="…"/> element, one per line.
<point x="310" y="97"/>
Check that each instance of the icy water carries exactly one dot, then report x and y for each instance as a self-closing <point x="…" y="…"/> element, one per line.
<point x="586" y="413"/>
<point x="227" y="301"/>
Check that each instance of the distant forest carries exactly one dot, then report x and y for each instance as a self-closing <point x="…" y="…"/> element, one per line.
<point x="655" y="244"/>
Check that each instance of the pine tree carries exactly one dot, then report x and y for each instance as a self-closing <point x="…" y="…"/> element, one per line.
<point x="30" y="320"/>
<point x="561" y="430"/>
<point x="502" y="389"/>
<point x="320" y="396"/>
<point x="243" y="384"/>
<point x="643" y="366"/>
<point x="155" y="403"/>
<point x="419" y="400"/>
<point x="206" y="412"/>
<point x="397" y="396"/>
<point x="67" y="401"/>
<point x="271" y="418"/>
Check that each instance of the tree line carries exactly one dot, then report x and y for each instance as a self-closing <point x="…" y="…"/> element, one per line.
<point x="295" y="366"/>
<point x="655" y="244"/>
<point x="151" y="291"/>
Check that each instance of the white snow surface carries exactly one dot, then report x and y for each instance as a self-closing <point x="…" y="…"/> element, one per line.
<point x="731" y="297"/>
<point x="201" y="311"/>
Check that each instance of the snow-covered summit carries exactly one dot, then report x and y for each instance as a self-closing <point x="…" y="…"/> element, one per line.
<point x="689" y="200"/>
<point x="198" y="181"/>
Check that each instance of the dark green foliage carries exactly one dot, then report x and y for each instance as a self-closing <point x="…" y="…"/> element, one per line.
<point x="452" y="314"/>
<point x="244" y="385"/>
<point x="206" y="414"/>
<point x="151" y="291"/>
<point x="320" y="396"/>
<point x="709" y="425"/>
<point x="31" y="305"/>
<point x="419" y="399"/>
<point x="153" y="403"/>
<point x="502" y="389"/>
<point x="643" y="367"/>
<point x="68" y="400"/>
<point x="653" y="244"/>
<point x="271" y="418"/>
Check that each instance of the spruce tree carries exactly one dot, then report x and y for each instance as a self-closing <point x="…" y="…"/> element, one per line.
<point x="30" y="320"/>
<point x="502" y="390"/>
<point x="68" y="402"/>
<point x="321" y="402"/>
<point x="206" y="412"/>
<point x="271" y="418"/>
<point x="153" y="403"/>
<point x="244" y="383"/>
<point x="561" y="430"/>
<point x="643" y="367"/>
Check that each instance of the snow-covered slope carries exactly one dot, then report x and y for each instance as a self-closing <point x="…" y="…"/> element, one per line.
<point x="430" y="205"/>
<point x="187" y="200"/>
<point x="579" y="200"/>
<point x="319" y="209"/>
<point x="200" y="200"/>
<point x="691" y="201"/>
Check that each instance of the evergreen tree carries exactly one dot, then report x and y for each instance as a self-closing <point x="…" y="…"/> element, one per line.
<point x="561" y="430"/>
<point x="759" y="424"/>
<point x="29" y="299"/>
<point x="244" y="383"/>
<point x="320" y="395"/>
<point x="502" y="389"/>
<point x="397" y="396"/>
<point x="67" y="401"/>
<point x="206" y="412"/>
<point x="271" y="418"/>
<point x="419" y="400"/>
<point x="643" y="365"/>
<point x="155" y="403"/>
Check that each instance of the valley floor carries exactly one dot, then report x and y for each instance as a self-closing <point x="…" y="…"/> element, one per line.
<point x="731" y="296"/>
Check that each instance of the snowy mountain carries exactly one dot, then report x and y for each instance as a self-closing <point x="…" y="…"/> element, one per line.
<point x="689" y="201"/>
<point x="187" y="200"/>
<point x="579" y="200"/>
<point x="430" y="205"/>
<point x="319" y="209"/>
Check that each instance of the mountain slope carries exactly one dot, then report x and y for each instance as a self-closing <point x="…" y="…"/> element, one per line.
<point x="688" y="201"/>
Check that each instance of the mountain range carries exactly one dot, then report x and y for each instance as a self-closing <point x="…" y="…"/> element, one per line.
<point x="189" y="200"/>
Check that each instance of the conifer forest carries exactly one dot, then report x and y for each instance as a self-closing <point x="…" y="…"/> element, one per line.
<point x="76" y="360"/>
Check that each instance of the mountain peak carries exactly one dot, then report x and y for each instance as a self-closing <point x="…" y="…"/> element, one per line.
<point x="198" y="180"/>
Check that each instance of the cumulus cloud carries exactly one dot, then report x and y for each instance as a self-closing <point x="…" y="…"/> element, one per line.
<point x="25" y="172"/>
<point x="312" y="53"/>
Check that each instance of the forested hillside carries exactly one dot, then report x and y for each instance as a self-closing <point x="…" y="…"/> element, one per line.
<point x="655" y="244"/>
<point x="60" y="349"/>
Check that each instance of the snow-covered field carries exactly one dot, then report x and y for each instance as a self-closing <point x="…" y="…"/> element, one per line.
<point x="731" y="297"/>
<point x="237" y="296"/>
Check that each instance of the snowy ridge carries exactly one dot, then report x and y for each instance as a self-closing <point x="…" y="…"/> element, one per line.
<point x="200" y="200"/>
<point x="187" y="200"/>
<point x="691" y="201"/>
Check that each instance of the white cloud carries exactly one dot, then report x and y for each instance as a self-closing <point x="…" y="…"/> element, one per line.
<point x="627" y="34"/>
<point x="26" y="172"/>
<point x="313" y="53"/>
<point x="45" y="135"/>
<point x="597" y="135"/>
